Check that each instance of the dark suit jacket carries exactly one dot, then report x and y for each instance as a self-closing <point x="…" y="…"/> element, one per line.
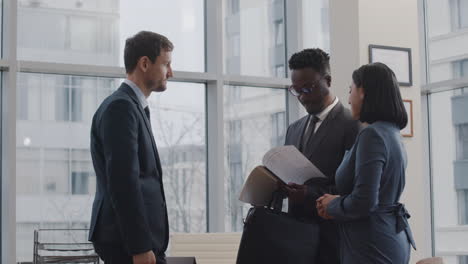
<point x="325" y="150"/>
<point x="129" y="208"/>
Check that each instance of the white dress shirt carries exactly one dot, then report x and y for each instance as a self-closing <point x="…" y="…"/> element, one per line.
<point x="141" y="97"/>
<point x="322" y="115"/>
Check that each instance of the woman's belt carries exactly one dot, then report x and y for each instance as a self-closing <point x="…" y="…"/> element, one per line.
<point x="402" y="215"/>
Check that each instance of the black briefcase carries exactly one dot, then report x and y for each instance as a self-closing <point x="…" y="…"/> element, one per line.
<point x="274" y="237"/>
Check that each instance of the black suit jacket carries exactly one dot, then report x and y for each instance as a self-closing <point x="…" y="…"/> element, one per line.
<point x="129" y="208"/>
<point x="325" y="150"/>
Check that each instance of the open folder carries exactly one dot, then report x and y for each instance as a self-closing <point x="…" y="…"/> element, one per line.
<point x="281" y="165"/>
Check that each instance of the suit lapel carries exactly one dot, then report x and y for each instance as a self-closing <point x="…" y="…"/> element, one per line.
<point x="323" y="131"/>
<point x="125" y="88"/>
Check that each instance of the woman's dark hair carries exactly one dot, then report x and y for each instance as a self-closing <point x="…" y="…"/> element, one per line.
<point x="382" y="98"/>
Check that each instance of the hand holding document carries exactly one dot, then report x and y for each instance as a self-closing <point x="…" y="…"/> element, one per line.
<point x="281" y="165"/>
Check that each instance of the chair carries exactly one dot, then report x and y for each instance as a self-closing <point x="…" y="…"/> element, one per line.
<point x="435" y="260"/>
<point x="63" y="246"/>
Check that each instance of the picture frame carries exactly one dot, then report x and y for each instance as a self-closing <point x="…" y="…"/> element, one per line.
<point x="396" y="58"/>
<point x="408" y="130"/>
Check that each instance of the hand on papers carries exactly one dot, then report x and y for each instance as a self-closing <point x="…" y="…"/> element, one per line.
<point x="322" y="205"/>
<point x="280" y="165"/>
<point x="296" y="192"/>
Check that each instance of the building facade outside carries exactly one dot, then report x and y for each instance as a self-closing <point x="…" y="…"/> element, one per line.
<point x="255" y="117"/>
<point x="447" y="42"/>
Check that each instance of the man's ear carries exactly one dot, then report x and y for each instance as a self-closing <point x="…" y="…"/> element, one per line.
<point x="143" y="63"/>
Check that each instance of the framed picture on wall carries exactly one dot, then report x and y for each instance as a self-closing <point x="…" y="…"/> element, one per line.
<point x="408" y="130"/>
<point x="398" y="59"/>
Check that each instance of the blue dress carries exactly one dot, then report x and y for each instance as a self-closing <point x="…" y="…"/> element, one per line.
<point x="372" y="223"/>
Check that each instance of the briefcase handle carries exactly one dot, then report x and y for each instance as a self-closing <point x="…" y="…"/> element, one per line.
<point x="276" y="202"/>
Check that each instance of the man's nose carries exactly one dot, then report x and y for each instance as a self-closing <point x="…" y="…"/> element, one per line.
<point x="170" y="74"/>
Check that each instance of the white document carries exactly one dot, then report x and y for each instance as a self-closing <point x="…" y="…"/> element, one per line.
<point x="288" y="164"/>
<point x="281" y="164"/>
<point x="259" y="186"/>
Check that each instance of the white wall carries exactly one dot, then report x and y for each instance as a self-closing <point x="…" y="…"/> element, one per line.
<point x="344" y="45"/>
<point x="354" y="25"/>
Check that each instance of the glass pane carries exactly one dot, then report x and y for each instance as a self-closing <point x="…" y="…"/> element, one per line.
<point x="55" y="176"/>
<point x="446" y="24"/>
<point x="254" y="122"/>
<point x="316" y="24"/>
<point x="94" y="31"/>
<point x="178" y="122"/>
<point x="448" y="120"/>
<point x="253" y="34"/>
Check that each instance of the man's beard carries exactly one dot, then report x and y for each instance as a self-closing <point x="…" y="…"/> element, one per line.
<point x="315" y="109"/>
<point x="157" y="86"/>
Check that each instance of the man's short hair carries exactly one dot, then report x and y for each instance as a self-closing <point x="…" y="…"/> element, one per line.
<point x="144" y="43"/>
<point x="316" y="59"/>
<point x="382" y="98"/>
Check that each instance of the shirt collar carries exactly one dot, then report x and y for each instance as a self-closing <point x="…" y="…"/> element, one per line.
<point x="141" y="97"/>
<point x="322" y="115"/>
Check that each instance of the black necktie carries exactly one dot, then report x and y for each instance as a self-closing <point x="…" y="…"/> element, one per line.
<point x="147" y="112"/>
<point x="313" y="120"/>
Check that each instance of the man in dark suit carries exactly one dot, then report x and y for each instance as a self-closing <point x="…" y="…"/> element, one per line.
<point x="322" y="136"/>
<point x="129" y="221"/>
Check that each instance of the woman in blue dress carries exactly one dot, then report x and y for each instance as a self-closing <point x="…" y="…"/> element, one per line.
<point x="373" y="223"/>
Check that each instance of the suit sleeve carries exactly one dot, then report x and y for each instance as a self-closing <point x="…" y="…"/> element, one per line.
<point x="371" y="156"/>
<point x="119" y="127"/>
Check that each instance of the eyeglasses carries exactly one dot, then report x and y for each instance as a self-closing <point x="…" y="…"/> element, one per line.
<point x="303" y="90"/>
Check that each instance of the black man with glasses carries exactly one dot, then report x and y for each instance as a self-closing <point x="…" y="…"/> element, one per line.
<point x="323" y="136"/>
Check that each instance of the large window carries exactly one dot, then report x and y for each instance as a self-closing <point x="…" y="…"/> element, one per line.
<point x="316" y="24"/>
<point x="447" y="119"/>
<point x="178" y="123"/>
<point x="55" y="176"/>
<point x="254" y="123"/>
<point x="244" y="51"/>
<point x="94" y="32"/>
<point x="446" y="24"/>
<point x="54" y="173"/>
<point x="447" y="104"/>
